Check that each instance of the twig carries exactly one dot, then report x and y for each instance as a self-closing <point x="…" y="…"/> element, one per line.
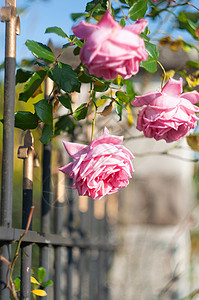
<point x="165" y="153"/>
<point x="191" y="295"/>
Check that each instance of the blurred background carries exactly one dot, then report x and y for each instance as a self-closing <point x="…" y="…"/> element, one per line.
<point x="156" y="216"/>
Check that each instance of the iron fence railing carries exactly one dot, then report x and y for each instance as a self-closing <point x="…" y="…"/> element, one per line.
<point x="81" y="243"/>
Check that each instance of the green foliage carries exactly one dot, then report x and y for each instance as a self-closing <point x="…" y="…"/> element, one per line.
<point x="23" y="75"/>
<point x="41" y="273"/>
<point x="138" y="10"/>
<point x="150" y="65"/>
<point x="56" y="30"/>
<point x="25" y="120"/>
<point x="40" y="51"/>
<point x="32" y="84"/>
<point x="187" y="21"/>
<point x="65" y="78"/>
<point x="65" y="100"/>
<point x="64" y="124"/>
<point x="81" y="112"/>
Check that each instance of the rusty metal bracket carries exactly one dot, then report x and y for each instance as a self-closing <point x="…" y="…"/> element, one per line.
<point x="8" y="13"/>
<point x="24" y="151"/>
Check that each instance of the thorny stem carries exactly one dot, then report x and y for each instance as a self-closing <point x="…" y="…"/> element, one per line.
<point x="164" y="73"/>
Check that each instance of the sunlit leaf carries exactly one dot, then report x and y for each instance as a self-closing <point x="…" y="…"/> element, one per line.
<point x="40" y="51"/>
<point x="40" y="293"/>
<point x="138" y="10"/>
<point x="56" y="30"/>
<point x="32" y="85"/>
<point x="150" y="65"/>
<point x="33" y="280"/>
<point x="81" y="112"/>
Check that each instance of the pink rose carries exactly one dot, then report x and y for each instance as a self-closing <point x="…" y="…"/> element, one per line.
<point x="169" y="114"/>
<point x="109" y="49"/>
<point x="101" y="168"/>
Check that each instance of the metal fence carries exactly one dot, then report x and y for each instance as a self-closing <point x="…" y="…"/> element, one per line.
<point x="82" y="251"/>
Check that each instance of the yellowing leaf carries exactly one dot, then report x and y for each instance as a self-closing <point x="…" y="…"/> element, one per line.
<point x="176" y="45"/>
<point x="107" y="110"/>
<point x="33" y="280"/>
<point x="192" y="80"/>
<point x="130" y="116"/>
<point x="40" y="293"/>
<point x="165" y="41"/>
<point x="169" y="74"/>
<point x="37" y="92"/>
<point x="99" y="102"/>
<point x="193" y="141"/>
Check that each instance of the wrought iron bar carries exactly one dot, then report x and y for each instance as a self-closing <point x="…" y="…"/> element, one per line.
<point x="58" y="210"/>
<point x="26" y="153"/>
<point x="46" y="194"/>
<point x="8" y="15"/>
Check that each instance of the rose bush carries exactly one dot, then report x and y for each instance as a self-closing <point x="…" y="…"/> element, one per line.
<point x="168" y="114"/>
<point x="109" y="49"/>
<point x="101" y="168"/>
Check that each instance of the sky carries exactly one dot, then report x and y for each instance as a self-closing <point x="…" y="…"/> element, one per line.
<point x="41" y="14"/>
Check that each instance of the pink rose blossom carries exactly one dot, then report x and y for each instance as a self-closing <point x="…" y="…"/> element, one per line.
<point x="109" y="49"/>
<point x="169" y="114"/>
<point x="101" y="168"/>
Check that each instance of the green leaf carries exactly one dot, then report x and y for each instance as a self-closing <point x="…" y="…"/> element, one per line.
<point x="64" y="124"/>
<point x="78" y="15"/>
<point x="122" y="96"/>
<point x="56" y="30"/>
<point x="65" y="78"/>
<point x="100" y="86"/>
<point x="47" y="283"/>
<point x="41" y="273"/>
<point x="118" y="109"/>
<point x="192" y="64"/>
<point x="25" y="120"/>
<point x="122" y="22"/>
<point x="65" y="101"/>
<point x="32" y="85"/>
<point x="23" y="75"/>
<point x="81" y="112"/>
<point x="150" y="65"/>
<point x="152" y="50"/>
<point x="138" y="10"/>
<point x="85" y="78"/>
<point x="47" y="133"/>
<point x="187" y="24"/>
<point x="44" y="111"/>
<point x="40" y="51"/>
<point x="17" y="283"/>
